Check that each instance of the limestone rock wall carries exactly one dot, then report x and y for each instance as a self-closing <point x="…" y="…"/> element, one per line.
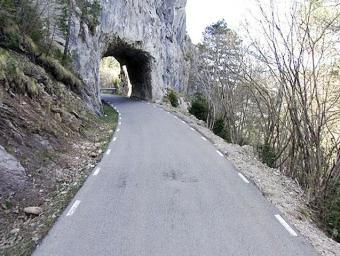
<point x="152" y="28"/>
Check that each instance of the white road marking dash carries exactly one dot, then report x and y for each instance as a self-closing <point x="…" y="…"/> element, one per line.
<point x="73" y="208"/>
<point x="285" y="225"/>
<point x="120" y="123"/>
<point x="183" y="122"/>
<point x="219" y="152"/>
<point x="192" y="129"/>
<point x="118" y="130"/>
<point x="243" y="178"/>
<point x="108" y="151"/>
<point x="203" y="138"/>
<point x="114" y="139"/>
<point x="96" y="172"/>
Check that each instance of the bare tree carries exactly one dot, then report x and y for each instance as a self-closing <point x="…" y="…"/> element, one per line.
<point x="282" y="91"/>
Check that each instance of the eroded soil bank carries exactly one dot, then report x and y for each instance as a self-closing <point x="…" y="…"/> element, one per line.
<point x="49" y="143"/>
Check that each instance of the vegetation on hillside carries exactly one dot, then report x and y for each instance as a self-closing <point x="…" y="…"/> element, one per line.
<point x="110" y="71"/>
<point x="23" y="30"/>
<point x="90" y="14"/>
<point x="44" y="125"/>
<point x="199" y="107"/>
<point x="173" y="98"/>
<point x="279" y="90"/>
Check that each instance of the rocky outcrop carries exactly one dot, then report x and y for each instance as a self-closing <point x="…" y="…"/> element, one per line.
<point x="12" y="174"/>
<point x="149" y="37"/>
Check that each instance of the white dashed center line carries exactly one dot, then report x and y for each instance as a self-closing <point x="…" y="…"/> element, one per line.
<point x="120" y="123"/>
<point x="73" y="208"/>
<point x="114" y="139"/>
<point x="96" y="172"/>
<point x="108" y="151"/>
<point x="192" y="129"/>
<point x="285" y="225"/>
<point x="118" y="130"/>
<point x="176" y="117"/>
<point x="203" y="138"/>
<point x="243" y="178"/>
<point x="183" y="122"/>
<point x="219" y="152"/>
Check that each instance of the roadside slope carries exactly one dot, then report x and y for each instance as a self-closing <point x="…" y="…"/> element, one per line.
<point x="49" y="140"/>
<point x="280" y="190"/>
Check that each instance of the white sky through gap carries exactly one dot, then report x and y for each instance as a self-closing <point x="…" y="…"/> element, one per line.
<point x="202" y="13"/>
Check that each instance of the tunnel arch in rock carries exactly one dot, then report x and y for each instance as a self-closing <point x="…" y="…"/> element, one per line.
<point x="138" y="63"/>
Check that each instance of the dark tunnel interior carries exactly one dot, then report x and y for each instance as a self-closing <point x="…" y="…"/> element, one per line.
<point x="138" y="63"/>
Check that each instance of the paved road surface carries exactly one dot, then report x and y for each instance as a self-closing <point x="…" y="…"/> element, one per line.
<point x="163" y="190"/>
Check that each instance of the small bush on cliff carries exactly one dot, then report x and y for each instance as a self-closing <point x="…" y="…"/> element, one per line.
<point x="12" y="72"/>
<point x="267" y="154"/>
<point x="173" y="98"/>
<point x="199" y="107"/>
<point x="220" y="130"/>
<point x="331" y="211"/>
<point x="90" y="13"/>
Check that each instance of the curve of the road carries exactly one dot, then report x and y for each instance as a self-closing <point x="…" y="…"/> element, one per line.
<point x="163" y="189"/>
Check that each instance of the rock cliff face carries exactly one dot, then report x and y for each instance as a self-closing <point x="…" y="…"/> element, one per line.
<point x="147" y="36"/>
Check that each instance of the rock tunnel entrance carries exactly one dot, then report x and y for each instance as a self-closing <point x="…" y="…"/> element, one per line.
<point x="138" y="65"/>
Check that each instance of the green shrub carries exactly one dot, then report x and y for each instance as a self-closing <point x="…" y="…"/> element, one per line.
<point x="30" y="21"/>
<point x="332" y="212"/>
<point x="220" y="130"/>
<point x="12" y="71"/>
<point x="9" y="31"/>
<point x="199" y="107"/>
<point x="90" y="13"/>
<point x="267" y="154"/>
<point x="7" y="4"/>
<point x="116" y="82"/>
<point x="172" y="96"/>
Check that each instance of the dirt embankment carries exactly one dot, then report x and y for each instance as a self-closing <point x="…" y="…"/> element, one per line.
<point x="49" y="142"/>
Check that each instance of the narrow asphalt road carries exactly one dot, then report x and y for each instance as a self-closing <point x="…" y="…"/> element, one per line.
<point x="162" y="189"/>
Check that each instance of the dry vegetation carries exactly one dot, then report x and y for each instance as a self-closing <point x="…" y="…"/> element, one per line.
<point x="109" y="73"/>
<point x="280" y="92"/>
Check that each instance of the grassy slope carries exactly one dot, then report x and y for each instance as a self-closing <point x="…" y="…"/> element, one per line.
<point x="45" y="125"/>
